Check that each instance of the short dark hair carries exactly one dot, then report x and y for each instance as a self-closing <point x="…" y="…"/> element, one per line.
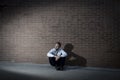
<point x="59" y="43"/>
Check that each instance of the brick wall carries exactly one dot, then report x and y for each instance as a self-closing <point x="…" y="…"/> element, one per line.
<point x="88" y="30"/>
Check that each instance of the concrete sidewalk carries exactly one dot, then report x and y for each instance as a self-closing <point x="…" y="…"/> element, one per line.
<point x="30" y="71"/>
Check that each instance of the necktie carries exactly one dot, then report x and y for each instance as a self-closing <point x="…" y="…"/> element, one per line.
<point x="56" y="52"/>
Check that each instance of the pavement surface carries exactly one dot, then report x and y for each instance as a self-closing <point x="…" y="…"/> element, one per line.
<point x="31" y="71"/>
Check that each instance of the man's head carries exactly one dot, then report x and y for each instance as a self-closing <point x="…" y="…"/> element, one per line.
<point x="57" y="45"/>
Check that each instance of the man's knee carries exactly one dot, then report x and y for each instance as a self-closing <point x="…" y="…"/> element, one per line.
<point x="52" y="61"/>
<point x="62" y="61"/>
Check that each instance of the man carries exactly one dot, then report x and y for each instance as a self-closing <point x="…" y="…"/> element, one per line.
<point x="57" y="56"/>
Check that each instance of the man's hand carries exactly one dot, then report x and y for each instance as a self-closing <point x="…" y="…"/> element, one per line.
<point x="57" y="57"/>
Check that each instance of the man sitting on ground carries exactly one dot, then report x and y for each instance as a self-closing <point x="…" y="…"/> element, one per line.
<point x="57" y="56"/>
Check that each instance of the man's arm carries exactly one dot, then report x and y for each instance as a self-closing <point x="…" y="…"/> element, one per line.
<point x="49" y="54"/>
<point x="64" y="54"/>
<point x="61" y="54"/>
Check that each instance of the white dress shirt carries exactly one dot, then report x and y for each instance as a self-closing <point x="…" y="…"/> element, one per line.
<point x="53" y="52"/>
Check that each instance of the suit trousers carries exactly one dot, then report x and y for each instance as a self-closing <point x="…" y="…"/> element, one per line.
<point x="60" y="62"/>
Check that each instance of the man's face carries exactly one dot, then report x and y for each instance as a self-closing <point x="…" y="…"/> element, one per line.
<point x="57" y="46"/>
